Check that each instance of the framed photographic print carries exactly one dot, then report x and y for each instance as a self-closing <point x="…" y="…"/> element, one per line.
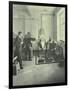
<point x="37" y="44"/>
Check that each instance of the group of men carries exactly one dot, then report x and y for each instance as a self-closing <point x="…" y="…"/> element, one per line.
<point x="25" y="44"/>
<point x="51" y="51"/>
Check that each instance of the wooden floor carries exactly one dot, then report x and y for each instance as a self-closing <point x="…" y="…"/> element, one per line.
<point x="39" y="74"/>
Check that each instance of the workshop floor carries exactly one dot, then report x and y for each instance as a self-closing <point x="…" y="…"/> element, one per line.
<point x="39" y="74"/>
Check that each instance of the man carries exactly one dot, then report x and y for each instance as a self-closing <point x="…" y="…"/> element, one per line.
<point x="18" y="48"/>
<point x="27" y="45"/>
<point x="59" y="52"/>
<point x="39" y="44"/>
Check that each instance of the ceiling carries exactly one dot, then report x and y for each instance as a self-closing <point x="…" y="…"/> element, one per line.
<point x="40" y="9"/>
<point x="34" y="11"/>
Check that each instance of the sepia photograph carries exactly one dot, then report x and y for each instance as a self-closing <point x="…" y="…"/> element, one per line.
<point x="38" y="41"/>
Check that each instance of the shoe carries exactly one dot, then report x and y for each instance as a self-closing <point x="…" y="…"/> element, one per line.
<point x="21" y="68"/>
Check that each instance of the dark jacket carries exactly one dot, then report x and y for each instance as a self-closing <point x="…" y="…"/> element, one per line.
<point x="18" y="47"/>
<point x="39" y="44"/>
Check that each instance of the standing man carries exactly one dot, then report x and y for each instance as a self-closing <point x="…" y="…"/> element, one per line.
<point x="28" y="45"/>
<point x="18" y="48"/>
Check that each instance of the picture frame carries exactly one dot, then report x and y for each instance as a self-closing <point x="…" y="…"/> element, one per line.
<point x="11" y="3"/>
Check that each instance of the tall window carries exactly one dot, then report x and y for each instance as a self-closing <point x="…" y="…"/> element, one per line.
<point x="61" y="25"/>
<point x="47" y="26"/>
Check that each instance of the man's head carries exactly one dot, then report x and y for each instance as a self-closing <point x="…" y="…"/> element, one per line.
<point x="49" y="39"/>
<point x="20" y="34"/>
<point x="28" y="34"/>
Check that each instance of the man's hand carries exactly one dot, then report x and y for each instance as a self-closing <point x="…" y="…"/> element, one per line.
<point x="21" y="42"/>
